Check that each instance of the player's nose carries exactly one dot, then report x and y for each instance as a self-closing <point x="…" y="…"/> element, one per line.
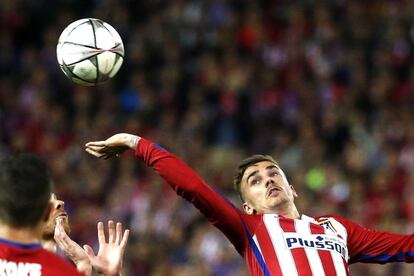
<point x="269" y="181"/>
<point x="60" y="204"/>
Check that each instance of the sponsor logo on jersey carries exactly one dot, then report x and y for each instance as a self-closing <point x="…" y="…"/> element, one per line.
<point x="317" y="241"/>
<point x="9" y="268"/>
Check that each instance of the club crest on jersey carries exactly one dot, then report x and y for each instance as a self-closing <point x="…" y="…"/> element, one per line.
<point x="327" y="224"/>
<point x="317" y="241"/>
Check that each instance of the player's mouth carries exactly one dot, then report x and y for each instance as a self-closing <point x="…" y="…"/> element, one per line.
<point x="273" y="191"/>
<point x="61" y="215"/>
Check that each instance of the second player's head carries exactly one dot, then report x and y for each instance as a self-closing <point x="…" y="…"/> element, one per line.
<point x="57" y="211"/>
<point x="25" y="188"/>
<point x="263" y="186"/>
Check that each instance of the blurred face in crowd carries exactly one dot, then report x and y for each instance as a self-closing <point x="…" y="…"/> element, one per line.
<point x="57" y="211"/>
<point x="265" y="189"/>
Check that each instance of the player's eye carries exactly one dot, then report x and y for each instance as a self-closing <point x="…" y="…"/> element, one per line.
<point x="255" y="182"/>
<point x="274" y="174"/>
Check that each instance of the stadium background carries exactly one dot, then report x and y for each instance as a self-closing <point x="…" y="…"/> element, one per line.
<point x="326" y="87"/>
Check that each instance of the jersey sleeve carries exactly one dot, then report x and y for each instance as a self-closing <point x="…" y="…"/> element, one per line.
<point x="372" y="246"/>
<point x="219" y="211"/>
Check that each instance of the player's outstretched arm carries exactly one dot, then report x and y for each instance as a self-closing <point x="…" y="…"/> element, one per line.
<point x="373" y="246"/>
<point x="182" y="179"/>
<point x="113" y="146"/>
<point x="110" y="255"/>
<point x="72" y="250"/>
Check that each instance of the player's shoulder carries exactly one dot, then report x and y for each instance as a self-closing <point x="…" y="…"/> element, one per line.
<point x="45" y="254"/>
<point x="36" y="258"/>
<point x="251" y="222"/>
<point x="336" y="217"/>
<point x="252" y="219"/>
<point x="334" y="223"/>
<point x="55" y="263"/>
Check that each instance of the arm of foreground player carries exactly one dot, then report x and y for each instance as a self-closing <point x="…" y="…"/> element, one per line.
<point x="372" y="246"/>
<point x="186" y="183"/>
<point x="108" y="261"/>
<point x="72" y="250"/>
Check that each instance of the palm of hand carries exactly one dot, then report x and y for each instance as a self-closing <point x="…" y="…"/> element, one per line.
<point x="109" y="259"/>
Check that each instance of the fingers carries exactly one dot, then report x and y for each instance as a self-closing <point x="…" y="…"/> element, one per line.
<point x="118" y="233"/>
<point x="100" y="155"/>
<point x="99" y="149"/>
<point x="89" y="251"/>
<point x="106" y="152"/>
<point x="121" y="239"/>
<point x="65" y="243"/>
<point x="114" y="233"/>
<point x="95" y="149"/>
<point x="96" y="144"/>
<point x="60" y="234"/>
<point x="58" y="227"/>
<point x="125" y="239"/>
<point x="111" y="232"/>
<point x="94" y="153"/>
<point x="101" y="233"/>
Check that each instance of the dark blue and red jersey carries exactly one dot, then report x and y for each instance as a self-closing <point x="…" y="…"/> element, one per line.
<point x="32" y="259"/>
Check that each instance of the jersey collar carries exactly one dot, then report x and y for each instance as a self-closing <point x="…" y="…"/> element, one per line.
<point x="21" y="245"/>
<point x="307" y="218"/>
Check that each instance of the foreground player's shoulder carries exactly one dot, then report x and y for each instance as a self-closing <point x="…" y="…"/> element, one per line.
<point x="56" y="265"/>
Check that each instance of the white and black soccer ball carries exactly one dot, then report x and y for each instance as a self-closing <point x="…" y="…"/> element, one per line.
<point x="90" y="51"/>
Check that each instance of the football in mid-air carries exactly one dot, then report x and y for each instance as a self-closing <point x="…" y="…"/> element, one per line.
<point x="90" y="51"/>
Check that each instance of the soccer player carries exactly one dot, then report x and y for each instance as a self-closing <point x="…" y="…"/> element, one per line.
<point x="110" y="254"/>
<point x="271" y="234"/>
<point x="25" y="189"/>
<point x="48" y="232"/>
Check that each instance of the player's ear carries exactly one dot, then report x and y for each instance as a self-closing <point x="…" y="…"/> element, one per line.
<point x="295" y="194"/>
<point x="248" y="209"/>
<point x="48" y="211"/>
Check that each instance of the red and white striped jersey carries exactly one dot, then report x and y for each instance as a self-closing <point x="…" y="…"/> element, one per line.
<point x="276" y="245"/>
<point x="301" y="246"/>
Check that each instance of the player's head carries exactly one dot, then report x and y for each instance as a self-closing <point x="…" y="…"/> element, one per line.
<point x="262" y="185"/>
<point x="57" y="211"/>
<point x="25" y="188"/>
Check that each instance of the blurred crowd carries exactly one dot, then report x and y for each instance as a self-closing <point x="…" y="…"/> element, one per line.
<point x="326" y="87"/>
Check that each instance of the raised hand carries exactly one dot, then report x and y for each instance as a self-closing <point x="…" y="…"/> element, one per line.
<point x="108" y="261"/>
<point x="72" y="250"/>
<point x="113" y="146"/>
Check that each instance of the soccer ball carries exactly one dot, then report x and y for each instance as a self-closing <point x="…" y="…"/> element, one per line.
<point x="90" y="51"/>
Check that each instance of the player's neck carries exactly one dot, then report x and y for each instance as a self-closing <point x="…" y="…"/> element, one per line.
<point x="25" y="235"/>
<point x="288" y="211"/>
<point x="49" y="245"/>
<point x="292" y="214"/>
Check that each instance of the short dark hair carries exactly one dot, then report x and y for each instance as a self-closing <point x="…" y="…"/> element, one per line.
<point x="25" y="189"/>
<point x="242" y="167"/>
